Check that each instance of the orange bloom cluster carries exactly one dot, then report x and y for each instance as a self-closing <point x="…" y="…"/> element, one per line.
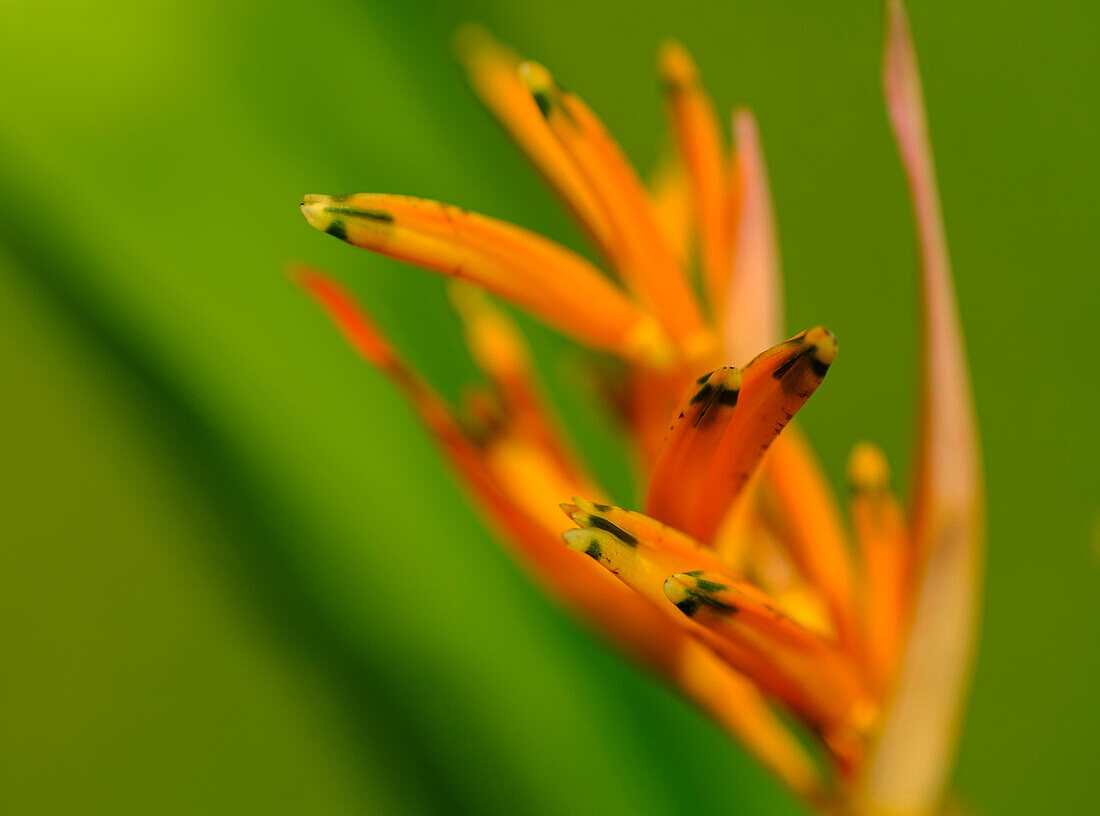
<point x="739" y="582"/>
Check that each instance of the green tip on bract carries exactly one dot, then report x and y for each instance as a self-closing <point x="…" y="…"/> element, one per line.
<point x="690" y="592"/>
<point x="825" y="344"/>
<point x="315" y="209"/>
<point x="589" y="542"/>
<point x="681" y="595"/>
<point x="540" y="83"/>
<point x="816" y="347"/>
<point x="676" y="66"/>
<point x="868" y="470"/>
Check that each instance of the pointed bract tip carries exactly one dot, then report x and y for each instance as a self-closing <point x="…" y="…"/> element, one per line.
<point x="541" y="85"/>
<point x="585" y="541"/>
<point x="676" y="64"/>
<point x="692" y="592"/>
<point x="471" y="39"/>
<point x="868" y="470"/>
<point x="728" y="377"/>
<point x="824" y="342"/>
<point x="677" y="588"/>
<point x="314" y="208"/>
<point x="536" y="76"/>
<point x="299" y="274"/>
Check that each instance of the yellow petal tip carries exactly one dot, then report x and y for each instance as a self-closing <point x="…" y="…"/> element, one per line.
<point x="676" y="65"/>
<point x="868" y="470"/>
<point x="314" y="208"/>
<point x="825" y="344"/>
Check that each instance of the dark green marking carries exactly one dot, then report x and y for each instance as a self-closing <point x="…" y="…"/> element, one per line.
<point x="357" y="212"/>
<point x="542" y="99"/>
<point x="594" y="550"/>
<point x="699" y="596"/>
<point x="783" y="370"/>
<point x="717" y="606"/>
<point x="709" y="586"/>
<point x="819" y="367"/>
<point x="728" y="397"/>
<point x="602" y="508"/>
<point x="703" y="379"/>
<point x="689" y="606"/>
<point x="337" y="230"/>
<point x="702" y="394"/>
<point x="807" y="355"/>
<point x="615" y="530"/>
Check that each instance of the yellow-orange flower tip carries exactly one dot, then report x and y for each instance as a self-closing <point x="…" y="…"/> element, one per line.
<point x="868" y="470"/>
<point x="690" y="592"/>
<point x="544" y="89"/>
<point x="588" y="515"/>
<point x="470" y="40"/>
<point x="717" y="395"/>
<point x="677" y="68"/>
<point x="332" y="215"/>
<point x="808" y="367"/>
<point x="589" y="541"/>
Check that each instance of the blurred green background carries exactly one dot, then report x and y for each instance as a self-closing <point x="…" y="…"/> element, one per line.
<point x="236" y="576"/>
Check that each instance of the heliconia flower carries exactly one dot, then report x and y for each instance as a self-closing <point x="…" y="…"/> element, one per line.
<point x="738" y="582"/>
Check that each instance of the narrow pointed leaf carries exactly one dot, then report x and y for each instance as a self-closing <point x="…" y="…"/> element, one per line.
<point x="909" y="771"/>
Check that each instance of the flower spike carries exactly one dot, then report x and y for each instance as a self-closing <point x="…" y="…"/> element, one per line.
<point x="738" y="586"/>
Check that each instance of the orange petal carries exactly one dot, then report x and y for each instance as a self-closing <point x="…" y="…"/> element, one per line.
<point x="711" y="451"/>
<point x="641" y="552"/>
<point x="821" y="684"/>
<point x="358" y="330"/>
<point x="807" y="520"/>
<point x="555" y="284"/>
<point x="647" y="264"/>
<point x="909" y="771"/>
<point x="698" y="138"/>
<point x="670" y="198"/>
<point x="500" y="350"/>
<point x="880" y="532"/>
<point x="493" y="72"/>
<point x="365" y="338"/>
<point x="737" y="706"/>
<point x="680" y="470"/>
<point x="783" y="657"/>
<point x="748" y="296"/>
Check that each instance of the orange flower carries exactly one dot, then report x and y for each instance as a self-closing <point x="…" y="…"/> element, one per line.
<point x="738" y="583"/>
